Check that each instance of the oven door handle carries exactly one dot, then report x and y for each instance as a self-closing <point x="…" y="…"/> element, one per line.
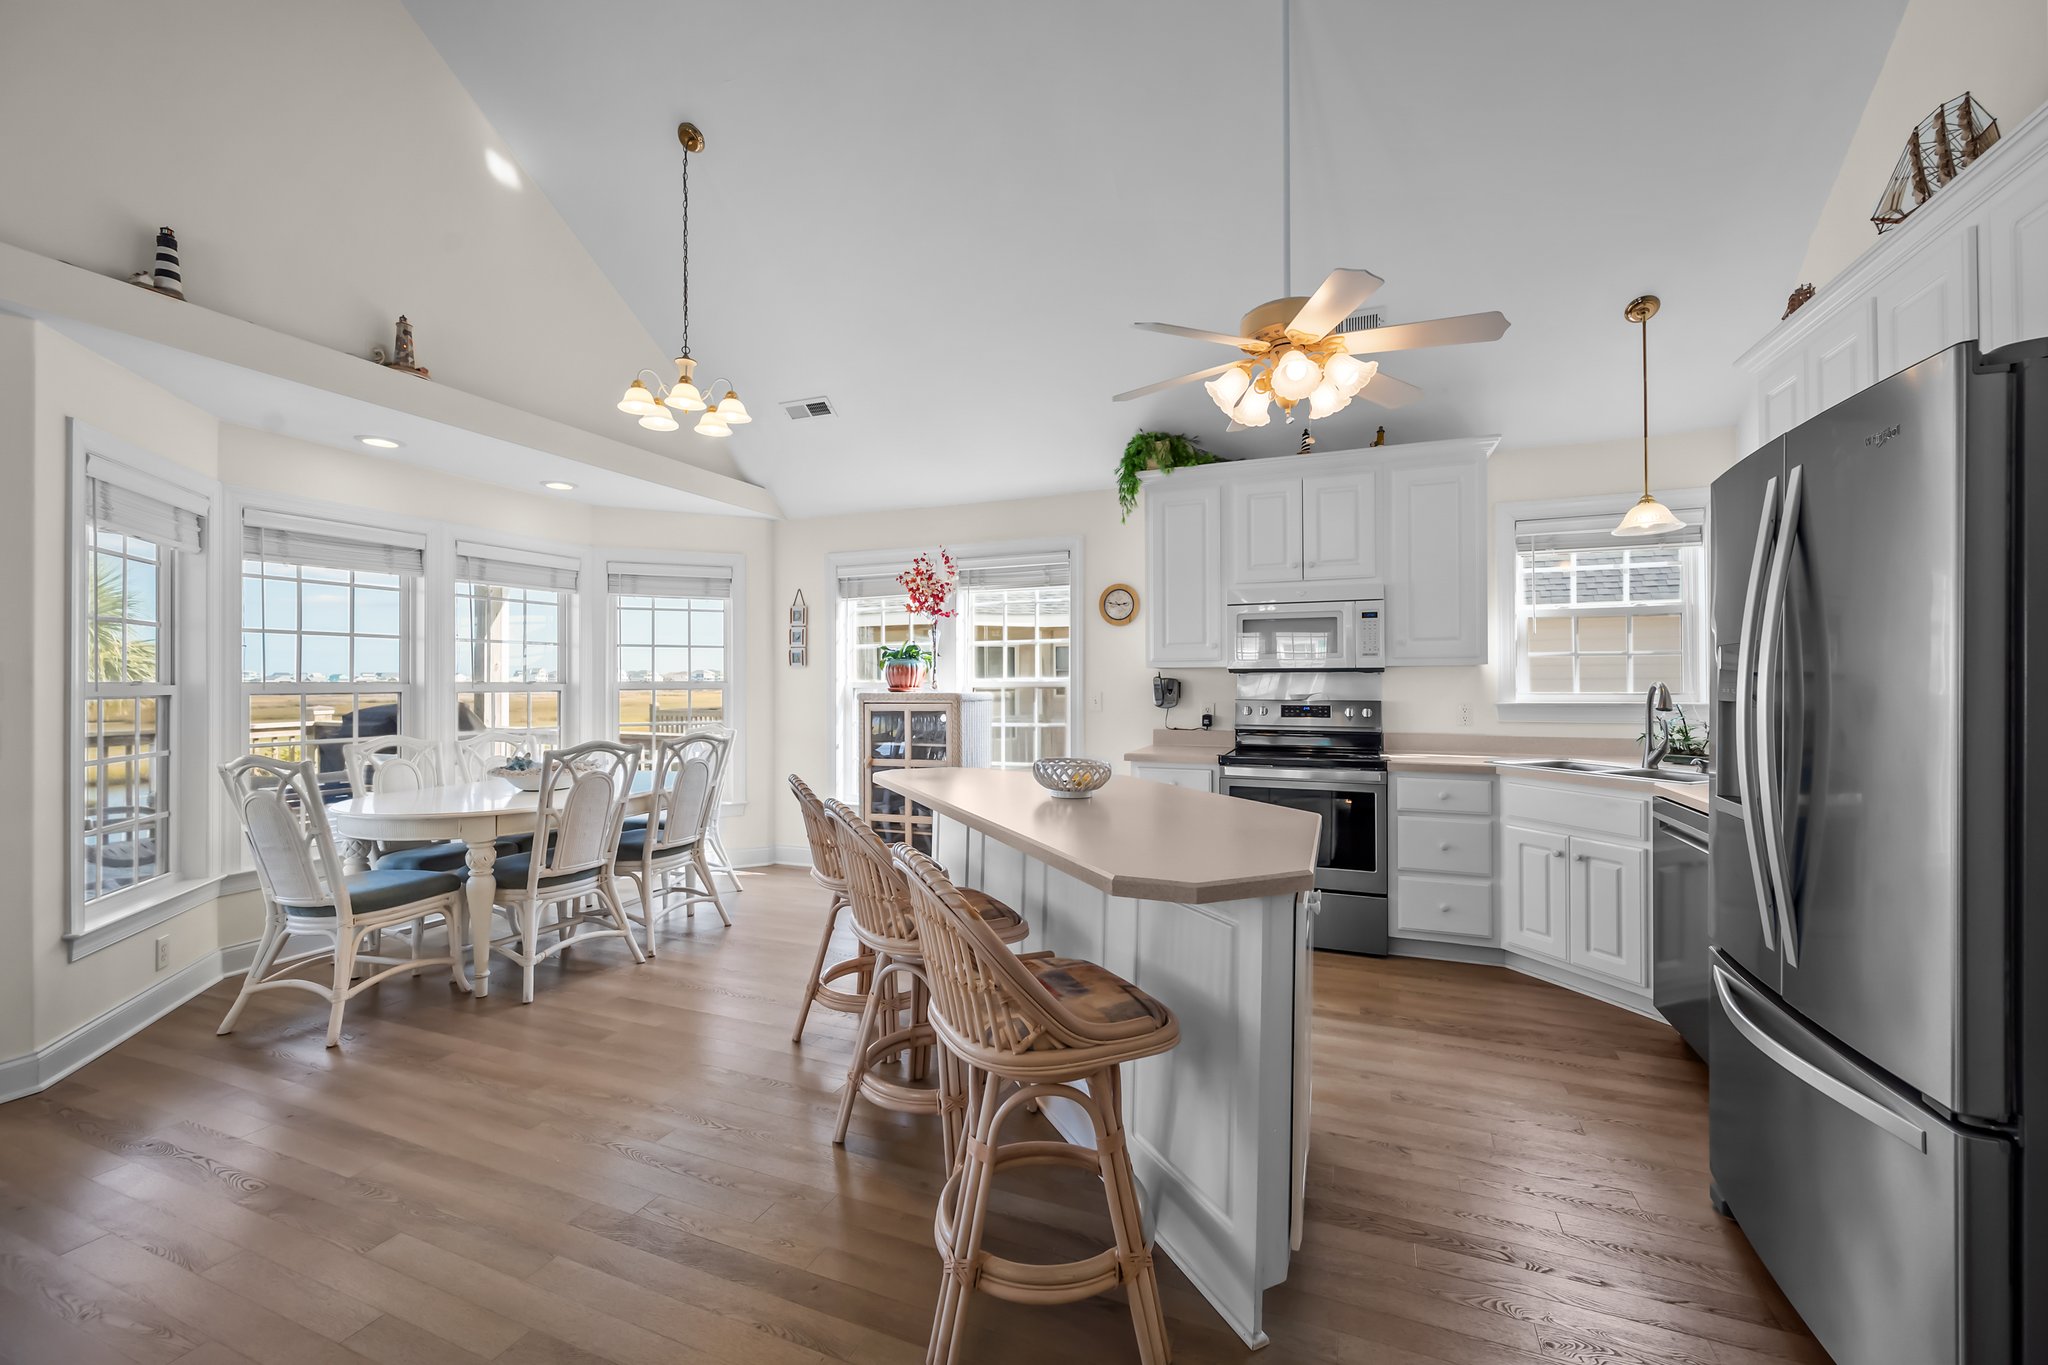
<point x="1317" y="777"/>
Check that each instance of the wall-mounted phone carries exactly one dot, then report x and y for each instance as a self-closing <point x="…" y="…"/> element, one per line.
<point x="1165" y="692"/>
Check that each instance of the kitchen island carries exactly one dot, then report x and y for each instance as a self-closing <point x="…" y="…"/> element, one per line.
<point x="1205" y="902"/>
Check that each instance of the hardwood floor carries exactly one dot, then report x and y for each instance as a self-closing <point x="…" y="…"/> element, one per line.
<point x="637" y="1168"/>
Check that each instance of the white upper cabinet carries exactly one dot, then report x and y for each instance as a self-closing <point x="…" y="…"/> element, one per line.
<point x="1265" y="531"/>
<point x="1182" y="601"/>
<point x="1436" y="590"/>
<point x="1340" y="525"/>
<point x="1971" y="264"/>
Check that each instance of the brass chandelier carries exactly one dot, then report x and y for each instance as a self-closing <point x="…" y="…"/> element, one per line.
<point x="656" y="407"/>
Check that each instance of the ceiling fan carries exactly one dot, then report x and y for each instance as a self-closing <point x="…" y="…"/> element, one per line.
<point x="1293" y="353"/>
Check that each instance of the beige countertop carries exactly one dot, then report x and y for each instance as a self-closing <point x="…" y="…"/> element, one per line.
<point x="1144" y="840"/>
<point x="1690" y="794"/>
<point x="1196" y="748"/>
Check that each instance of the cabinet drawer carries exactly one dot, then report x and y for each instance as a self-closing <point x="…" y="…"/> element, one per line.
<point x="1202" y="779"/>
<point x="1596" y="812"/>
<point x="1443" y="905"/>
<point x="1463" y="845"/>
<point x="1449" y="795"/>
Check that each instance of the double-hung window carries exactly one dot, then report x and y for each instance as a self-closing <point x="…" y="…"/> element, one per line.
<point x="1599" y="618"/>
<point x="134" y="546"/>
<point x="512" y="622"/>
<point x="1018" y="627"/>
<point x="671" y="640"/>
<point x="326" y="632"/>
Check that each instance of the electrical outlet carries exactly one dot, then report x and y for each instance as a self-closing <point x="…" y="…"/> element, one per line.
<point x="163" y="951"/>
<point x="1464" y="713"/>
<point x="1095" y="701"/>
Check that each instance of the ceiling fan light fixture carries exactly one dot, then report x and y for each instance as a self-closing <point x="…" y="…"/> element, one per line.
<point x="1252" y="410"/>
<point x="1348" y="373"/>
<point x="1326" y="399"/>
<point x="712" y="424"/>
<point x="638" y="401"/>
<point x="1295" y="375"/>
<point x="1226" y="388"/>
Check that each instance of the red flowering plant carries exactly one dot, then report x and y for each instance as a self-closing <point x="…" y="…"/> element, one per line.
<point x="929" y="584"/>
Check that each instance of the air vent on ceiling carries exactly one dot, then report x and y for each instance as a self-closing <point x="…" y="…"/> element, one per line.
<point x="800" y="408"/>
<point x="1359" y="322"/>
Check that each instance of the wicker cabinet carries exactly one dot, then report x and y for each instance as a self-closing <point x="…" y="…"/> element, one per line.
<point x="917" y="730"/>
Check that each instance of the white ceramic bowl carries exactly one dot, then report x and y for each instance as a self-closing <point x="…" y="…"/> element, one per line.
<point x="1070" y="778"/>
<point x="526" y="779"/>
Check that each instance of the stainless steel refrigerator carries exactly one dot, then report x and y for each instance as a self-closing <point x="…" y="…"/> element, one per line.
<point x="1878" y="832"/>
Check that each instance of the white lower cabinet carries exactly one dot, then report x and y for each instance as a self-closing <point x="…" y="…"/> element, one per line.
<point x="1535" y="887"/>
<point x="1610" y="910"/>
<point x="1200" y="779"/>
<point x="1443" y="857"/>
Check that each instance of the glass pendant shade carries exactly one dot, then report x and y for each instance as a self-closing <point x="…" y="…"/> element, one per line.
<point x="1648" y="518"/>
<point x="1326" y="400"/>
<point x="733" y="410"/>
<point x="1344" y="372"/>
<point x="1296" y="375"/>
<point x="1226" y="388"/>
<point x="1251" y="410"/>
<point x="658" y="419"/>
<point x="638" y="402"/>
<point x="685" y="398"/>
<point x="711" y="424"/>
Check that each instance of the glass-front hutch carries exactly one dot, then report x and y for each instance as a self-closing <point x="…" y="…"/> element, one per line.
<point x="917" y="730"/>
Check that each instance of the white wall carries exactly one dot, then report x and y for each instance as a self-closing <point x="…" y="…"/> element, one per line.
<point x="1995" y="49"/>
<point x="325" y="172"/>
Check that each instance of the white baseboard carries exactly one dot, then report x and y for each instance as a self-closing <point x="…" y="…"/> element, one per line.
<point x="43" y="1068"/>
<point x="773" y="855"/>
<point x="1488" y="955"/>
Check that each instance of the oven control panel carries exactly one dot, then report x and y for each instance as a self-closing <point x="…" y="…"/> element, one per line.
<point x="1310" y="715"/>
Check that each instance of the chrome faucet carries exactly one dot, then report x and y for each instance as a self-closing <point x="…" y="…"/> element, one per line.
<point x="1656" y="733"/>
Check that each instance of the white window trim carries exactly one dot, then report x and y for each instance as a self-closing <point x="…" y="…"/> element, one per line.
<point x="568" y="626"/>
<point x="1511" y="704"/>
<point x="605" y="645"/>
<point x="196" y="865"/>
<point x="953" y="673"/>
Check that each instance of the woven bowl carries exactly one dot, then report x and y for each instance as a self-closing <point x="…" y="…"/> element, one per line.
<point x="1070" y="778"/>
<point x="526" y="779"/>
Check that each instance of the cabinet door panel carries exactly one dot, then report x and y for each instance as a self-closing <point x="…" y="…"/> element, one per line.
<point x="1265" y="531"/>
<point x="1927" y="305"/>
<point x="1436" y="599"/>
<point x="1535" y="889"/>
<point x="1844" y="358"/>
<point x="1782" y="398"/>
<point x="1340" y="525"/>
<point x="1609" y="904"/>
<point x="2015" y="266"/>
<point x="1184" y="575"/>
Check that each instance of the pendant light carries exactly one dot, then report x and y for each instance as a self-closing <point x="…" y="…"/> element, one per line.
<point x="656" y="406"/>
<point x="1648" y="517"/>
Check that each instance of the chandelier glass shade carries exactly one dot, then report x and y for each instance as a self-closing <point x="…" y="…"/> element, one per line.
<point x="1319" y="372"/>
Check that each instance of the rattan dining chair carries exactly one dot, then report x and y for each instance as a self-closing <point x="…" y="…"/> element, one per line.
<point x="670" y="842"/>
<point x="892" y="1019"/>
<point x="568" y="871"/>
<point x="305" y="891"/>
<point x="1018" y="1030"/>
<point x="827" y="872"/>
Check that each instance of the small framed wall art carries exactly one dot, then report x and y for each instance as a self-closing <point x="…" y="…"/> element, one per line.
<point x="799" y="632"/>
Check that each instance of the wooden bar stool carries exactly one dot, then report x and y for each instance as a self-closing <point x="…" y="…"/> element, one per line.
<point x="827" y="872"/>
<point x="1041" y="1024"/>
<point x="893" y="1017"/>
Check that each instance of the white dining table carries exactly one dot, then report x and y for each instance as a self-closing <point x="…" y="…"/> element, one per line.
<point x="477" y="813"/>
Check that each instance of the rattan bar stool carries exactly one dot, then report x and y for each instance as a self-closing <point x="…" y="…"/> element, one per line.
<point x="827" y="872"/>
<point x="892" y="1020"/>
<point x="1017" y="1030"/>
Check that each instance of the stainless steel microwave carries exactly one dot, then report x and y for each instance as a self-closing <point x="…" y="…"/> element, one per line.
<point x="1268" y="637"/>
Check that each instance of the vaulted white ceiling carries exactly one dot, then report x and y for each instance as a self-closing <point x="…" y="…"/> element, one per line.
<point x="946" y="217"/>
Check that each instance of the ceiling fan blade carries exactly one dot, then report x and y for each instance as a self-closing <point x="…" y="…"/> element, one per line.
<point x="1409" y="336"/>
<point x="1335" y="299"/>
<point x="1389" y="392"/>
<point x="1210" y="373"/>
<point x="1221" y="339"/>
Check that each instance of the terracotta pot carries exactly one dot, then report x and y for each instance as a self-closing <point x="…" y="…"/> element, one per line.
<point x="903" y="677"/>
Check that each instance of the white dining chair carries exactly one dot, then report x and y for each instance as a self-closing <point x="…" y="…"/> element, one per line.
<point x="671" y="842"/>
<point x="306" y="891"/>
<point x="480" y="751"/>
<point x="400" y="763"/>
<point x="568" y="871"/>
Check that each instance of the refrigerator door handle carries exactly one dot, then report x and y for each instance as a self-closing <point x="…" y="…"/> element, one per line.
<point x="1850" y="1098"/>
<point x="1769" y="771"/>
<point x="1745" y="785"/>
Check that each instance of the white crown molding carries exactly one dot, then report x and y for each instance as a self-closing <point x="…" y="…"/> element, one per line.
<point x="1330" y="461"/>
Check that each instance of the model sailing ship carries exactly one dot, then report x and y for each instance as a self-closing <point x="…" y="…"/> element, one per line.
<point x="1947" y="140"/>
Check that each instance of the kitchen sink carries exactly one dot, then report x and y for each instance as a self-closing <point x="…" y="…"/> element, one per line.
<point x="1582" y="765"/>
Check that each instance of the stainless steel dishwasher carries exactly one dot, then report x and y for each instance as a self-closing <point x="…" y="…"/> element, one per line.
<point x="1680" y="905"/>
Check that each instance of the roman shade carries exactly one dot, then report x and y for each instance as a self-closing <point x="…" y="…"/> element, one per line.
<point x="506" y="568"/>
<point x="1560" y="535"/>
<point x="1046" y="569"/>
<point x="669" y="580"/>
<point x="287" y="539"/>
<point x="116" y="501"/>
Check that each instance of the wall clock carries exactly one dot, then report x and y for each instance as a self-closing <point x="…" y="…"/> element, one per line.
<point x="1119" y="604"/>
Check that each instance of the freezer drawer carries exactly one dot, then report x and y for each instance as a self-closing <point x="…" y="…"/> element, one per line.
<point x="1888" y="1228"/>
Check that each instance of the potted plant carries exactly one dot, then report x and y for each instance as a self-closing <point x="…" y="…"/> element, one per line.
<point x="928" y="583"/>
<point x="1688" y="741"/>
<point x="903" y="666"/>
<point x="1165" y="451"/>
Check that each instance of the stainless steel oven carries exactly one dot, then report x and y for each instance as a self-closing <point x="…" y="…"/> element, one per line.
<point x="1314" y="742"/>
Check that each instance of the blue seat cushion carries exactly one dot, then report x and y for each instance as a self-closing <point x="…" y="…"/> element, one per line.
<point x="444" y="857"/>
<point x="387" y="888"/>
<point x="512" y="843"/>
<point x="633" y="846"/>
<point x="513" y="872"/>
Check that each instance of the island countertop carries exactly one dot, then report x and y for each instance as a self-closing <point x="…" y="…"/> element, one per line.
<point x="1143" y="840"/>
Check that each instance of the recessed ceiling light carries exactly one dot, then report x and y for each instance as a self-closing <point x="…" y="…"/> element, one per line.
<point x="381" y="442"/>
<point x="501" y="168"/>
<point x="558" y="486"/>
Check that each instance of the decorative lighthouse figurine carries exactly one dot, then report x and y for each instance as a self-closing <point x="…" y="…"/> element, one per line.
<point x="402" y="357"/>
<point x="163" y="275"/>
